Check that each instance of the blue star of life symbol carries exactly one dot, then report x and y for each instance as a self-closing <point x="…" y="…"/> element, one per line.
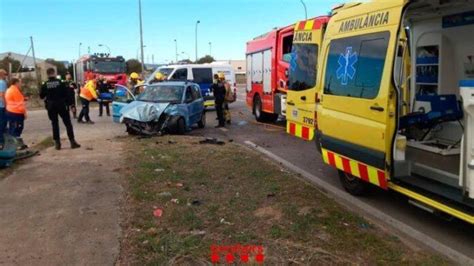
<point x="346" y="68"/>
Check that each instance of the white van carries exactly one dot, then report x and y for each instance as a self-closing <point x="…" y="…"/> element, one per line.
<point x="201" y="74"/>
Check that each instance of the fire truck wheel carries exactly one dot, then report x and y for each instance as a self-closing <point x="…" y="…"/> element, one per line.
<point x="272" y="118"/>
<point x="353" y="184"/>
<point x="257" y="109"/>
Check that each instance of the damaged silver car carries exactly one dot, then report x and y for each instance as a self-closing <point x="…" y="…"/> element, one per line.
<point x="165" y="107"/>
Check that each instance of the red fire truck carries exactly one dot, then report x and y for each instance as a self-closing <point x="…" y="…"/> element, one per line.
<point x="268" y="58"/>
<point x="112" y="68"/>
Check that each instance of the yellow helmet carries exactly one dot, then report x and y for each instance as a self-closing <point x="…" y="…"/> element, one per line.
<point x="134" y="75"/>
<point x="159" y="76"/>
<point x="221" y="75"/>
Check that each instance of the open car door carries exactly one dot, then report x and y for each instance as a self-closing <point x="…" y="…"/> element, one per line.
<point x="122" y="96"/>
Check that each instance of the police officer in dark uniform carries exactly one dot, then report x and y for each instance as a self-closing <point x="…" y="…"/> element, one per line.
<point x="218" y="88"/>
<point x="55" y="93"/>
<point x="71" y="85"/>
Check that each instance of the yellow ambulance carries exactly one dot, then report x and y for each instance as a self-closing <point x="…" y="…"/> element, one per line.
<point x="395" y="100"/>
<point x="301" y="100"/>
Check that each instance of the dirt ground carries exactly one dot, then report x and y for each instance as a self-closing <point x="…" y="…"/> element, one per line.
<point x="189" y="204"/>
<point x="62" y="207"/>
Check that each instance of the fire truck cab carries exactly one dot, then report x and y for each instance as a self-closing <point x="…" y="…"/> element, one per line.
<point x="395" y="102"/>
<point x="112" y="68"/>
<point x="268" y="59"/>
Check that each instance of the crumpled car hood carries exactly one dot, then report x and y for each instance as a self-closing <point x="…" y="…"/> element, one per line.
<point x="143" y="111"/>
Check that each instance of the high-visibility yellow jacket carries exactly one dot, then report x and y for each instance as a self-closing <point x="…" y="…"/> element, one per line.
<point x="88" y="91"/>
<point x="15" y="101"/>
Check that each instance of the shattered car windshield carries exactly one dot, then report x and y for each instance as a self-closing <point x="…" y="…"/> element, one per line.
<point x="162" y="93"/>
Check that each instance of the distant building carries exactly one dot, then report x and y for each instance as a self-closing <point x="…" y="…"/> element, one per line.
<point x="239" y="66"/>
<point x="28" y="63"/>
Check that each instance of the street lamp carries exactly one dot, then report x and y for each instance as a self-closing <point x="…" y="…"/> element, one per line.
<point x="305" y="11"/>
<point x="141" y="33"/>
<point x="176" y="49"/>
<point x="80" y="44"/>
<point x="138" y="49"/>
<point x="186" y="54"/>
<point x="103" y="45"/>
<point x="197" y="23"/>
<point x="210" y="48"/>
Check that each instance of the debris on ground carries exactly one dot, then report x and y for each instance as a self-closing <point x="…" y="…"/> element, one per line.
<point x="223" y="221"/>
<point x="159" y="170"/>
<point x="213" y="141"/>
<point x="179" y="185"/>
<point x="196" y="202"/>
<point x="164" y="194"/>
<point x="89" y="148"/>
<point x="197" y="232"/>
<point x="175" y="201"/>
<point x="172" y="142"/>
<point x="158" y="213"/>
<point x="152" y="231"/>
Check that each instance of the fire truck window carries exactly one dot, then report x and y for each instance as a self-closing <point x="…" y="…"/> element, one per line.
<point x="287" y="46"/>
<point x="180" y="74"/>
<point x="302" y="68"/>
<point x="355" y="65"/>
<point x="202" y="75"/>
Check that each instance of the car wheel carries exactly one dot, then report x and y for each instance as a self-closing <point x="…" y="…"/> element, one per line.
<point x="353" y="184"/>
<point x="180" y="126"/>
<point x="202" y="122"/>
<point x="257" y="109"/>
<point x="131" y="131"/>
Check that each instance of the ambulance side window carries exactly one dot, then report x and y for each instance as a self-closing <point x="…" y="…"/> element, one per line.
<point x="180" y="74"/>
<point x="355" y="65"/>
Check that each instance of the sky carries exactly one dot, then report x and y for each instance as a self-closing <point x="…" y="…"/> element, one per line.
<point x="59" y="26"/>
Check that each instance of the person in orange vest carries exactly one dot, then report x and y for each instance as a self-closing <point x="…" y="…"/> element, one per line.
<point x="16" y="110"/>
<point x="88" y="94"/>
<point x="3" y="117"/>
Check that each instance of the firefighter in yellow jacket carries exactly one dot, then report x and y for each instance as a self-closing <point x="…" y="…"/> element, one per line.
<point x="88" y="94"/>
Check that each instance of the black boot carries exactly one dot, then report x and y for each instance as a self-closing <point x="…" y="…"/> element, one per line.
<point x="74" y="145"/>
<point x="57" y="145"/>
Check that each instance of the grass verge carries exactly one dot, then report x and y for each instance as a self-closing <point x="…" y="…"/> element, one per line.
<point x="228" y="195"/>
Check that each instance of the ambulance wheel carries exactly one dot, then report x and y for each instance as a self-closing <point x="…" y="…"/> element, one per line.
<point x="260" y="116"/>
<point x="352" y="184"/>
<point x="202" y="122"/>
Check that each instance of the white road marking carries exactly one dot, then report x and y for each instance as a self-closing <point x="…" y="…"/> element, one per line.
<point x="351" y="201"/>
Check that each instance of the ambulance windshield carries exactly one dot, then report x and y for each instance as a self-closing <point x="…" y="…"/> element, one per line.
<point x="302" y="70"/>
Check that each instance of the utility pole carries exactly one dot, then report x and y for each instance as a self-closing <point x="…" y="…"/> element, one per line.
<point x="141" y="33"/>
<point x="80" y="44"/>
<point x="197" y="23"/>
<point x="153" y="59"/>
<point x="176" y="50"/>
<point x="210" y="49"/>
<point x="88" y="50"/>
<point x="38" y="74"/>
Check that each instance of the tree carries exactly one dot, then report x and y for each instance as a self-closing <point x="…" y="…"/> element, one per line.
<point x="133" y="65"/>
<point x="205" y="59"/>
<point x="5" y="64"/>
<point x="60" y="67"/>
